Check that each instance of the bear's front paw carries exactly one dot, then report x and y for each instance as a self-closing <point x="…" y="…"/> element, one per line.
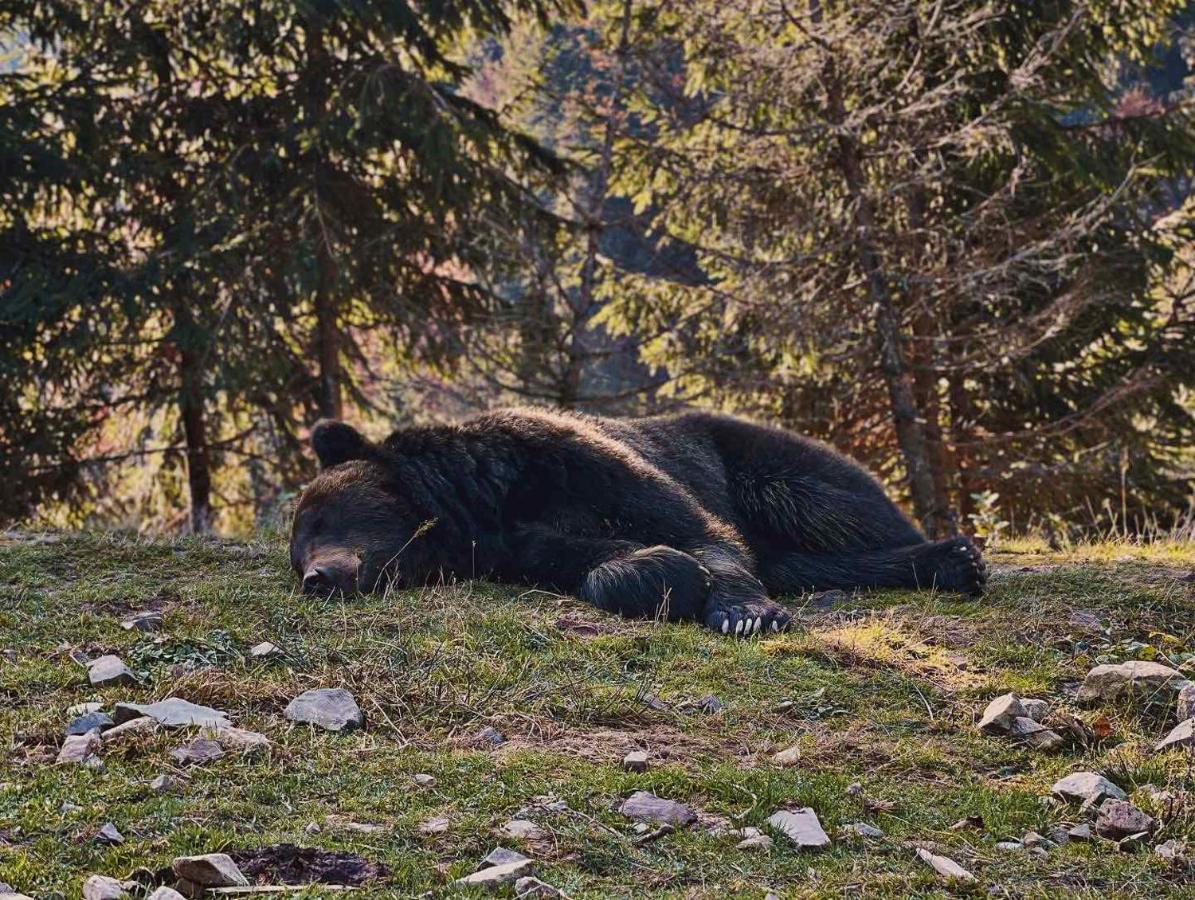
<point x="958" y="566"/>
<point x="746" y="619"/>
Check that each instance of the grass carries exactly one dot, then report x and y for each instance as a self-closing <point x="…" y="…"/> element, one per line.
<point x="883" y="691"/>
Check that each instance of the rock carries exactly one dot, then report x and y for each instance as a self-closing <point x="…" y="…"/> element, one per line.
<point x="1080" y="832"/>
<point x="946" y="867"/>
<point x="78" y="748"/>
<point x="172" y="712"/>
<point x="530" y="886"/>
<point x="1108" y="682"/>
<point x="635" y="761"/>
<point x="999" y="715"/>
<point x="1119" y="819"/>
<point x="83" y="709"/>
<point x="1182" y="735"/>
<point x="162" y="784"/>
<point x="1035" y="709"/>
<point x="500" y="856"/>
<point x="489" y="735"/>
<point x="496" y="875"/>
<point x="101" y="887"/>
<point x="863" y="830"/>
<point x="710" y="704"/>
<point x="1059" y="836"/>
<point x="1009" y="846"/>
<point x="109" y="834"/>
<point x="1186" y="702"/>
<point x="1131" y="843"/>
<point x="1031" y="734"/>
<point x="424" y="780"/>
<point x="109" y="669"/>
<point x="238" y="739"/>
<point x="147" y="620"/>
<point x="210" y="870"/>
<point x="522" y="829"/>
<point x="312" y="828"/>
<point x="436" y="825"/>
<point x="801" y="827"/>
<point x="1171" y="850"/>
<point x="92" y="721"/>
<point x="1034" y="839"/>
<point x="331" y="708"/>
<point x="197" y="753"/>
<point x="644" y="806"/>
<point x="790" y="756"/>
<point x="142" y="725"/>
<point x="753" y="839"/>
<point x="264" y="649"/>
<point x="1086" y="787"/>
<point x="166" y="893"/>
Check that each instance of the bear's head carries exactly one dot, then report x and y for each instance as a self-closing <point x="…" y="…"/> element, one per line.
<point x="357" y="525"/>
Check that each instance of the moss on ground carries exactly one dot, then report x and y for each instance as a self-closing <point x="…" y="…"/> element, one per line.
<point x="883" y="691"/>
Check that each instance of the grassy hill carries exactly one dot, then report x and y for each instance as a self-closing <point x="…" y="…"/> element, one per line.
<point x="879" y="692"/>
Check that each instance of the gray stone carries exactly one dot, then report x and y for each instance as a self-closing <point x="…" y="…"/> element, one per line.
<point x="1035" y="839"/>
<point x="1009" y="846"/>
<point x="197" y="753"/>
<point x="210" y="870"/>
<point x="1031" y="734"/>
<point x="522" y="829"/>
<point x="644" y="806"/>
<point x="162" y="784"/>
<point x="238" y="739"/>
<point x="331" y="708"/>
<point x="946" y="867"/>
<point x="1186" y="702"/>
<point x="1182" y="735"/>
<point x="801" y="827"/>
<point x="1119" y="819"/>
<point x="493" y="876"/>
<point x="1080" y="832"/>
<point x="1171" y="850"/>
<point x="166" y="893"/>
<point x="141" y="725"/>
<point x="435" y="825"/>
<point x="790" y="756"/>
<point x="109" y="834"/>
<point x="83" y="709"/>
<point x="635" y="761"/>
<point x="999" y="715"/>
<point x="78" y="748"/>
<point x="101" y="887"/>
<point x="530" y="886"/>
<point x="423" y="779"/>
<point x="1087" y="787"/>
<point x="147" y="620"/>
<point x="865" y="831"/>
<point x="173" y="712"/>
<point x="1109" y="682"/>
<point x="1035" y="709"/>
<point x="93" y="721"/>
<point x="109" y="669"/>
<point x="710" y="704"/>
<point x="264" y="649"/>
<point x="490" y="735"/>
<point x="755" y="842"/>
<point x="500" y="856"/>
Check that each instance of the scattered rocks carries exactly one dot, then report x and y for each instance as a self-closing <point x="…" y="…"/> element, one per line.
<point x="946" y="867"/>
<point x="197" y="753"/>
<point x="92" y="721"/>
<point x="109" y="669"/>
<point x="1001" y="713"/>
<point x="790" y="756"/>
<point x="1109" y="682"/>
<point x="78" y="748"/>
<point x="173" y="712"/>
<point x="101" y="887"/>
<point x="1182" y="735"/>
<point x="109" y="834"/>
<point x="635" y="761"/>
<point x="148" y="620"/>
<point x="801" y="827"/>
<point x="493" y="876"/>
<point x="210" y="870"/>
<point x="331" y="708"/>
<point x="1119" y="819"/>
<point x="522" y="829"/>
<point x="424" y="780"/>
<point x="500" y="856"/>
<point x="1087" y="787"/>
<point x="264" y="650"/>
<point x="644" y="806"/>
<point x="530" y="886"/>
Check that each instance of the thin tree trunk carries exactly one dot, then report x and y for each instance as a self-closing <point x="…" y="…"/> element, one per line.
<point x="906" y="416"/>
<point x="329" y="399"/>
<point x="191" y="411"/>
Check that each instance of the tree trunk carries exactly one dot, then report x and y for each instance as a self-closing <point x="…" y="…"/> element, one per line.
<point x="327" y="336"/>
<point x="191" y="411"/>
<point x="906" y="416"/>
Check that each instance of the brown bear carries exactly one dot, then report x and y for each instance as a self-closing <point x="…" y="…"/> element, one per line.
<point x="693" y="516"/>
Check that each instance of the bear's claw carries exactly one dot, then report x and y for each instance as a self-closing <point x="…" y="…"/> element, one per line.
<point x="748" y="619"/>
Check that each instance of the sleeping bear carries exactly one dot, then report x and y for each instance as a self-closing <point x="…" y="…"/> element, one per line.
<point x="696" y="516"/>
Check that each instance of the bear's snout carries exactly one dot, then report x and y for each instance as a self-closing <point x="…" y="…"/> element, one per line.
<point x="327" y="577"/>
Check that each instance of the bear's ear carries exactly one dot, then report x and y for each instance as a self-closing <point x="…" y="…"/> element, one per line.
<point x="335" y="442"/>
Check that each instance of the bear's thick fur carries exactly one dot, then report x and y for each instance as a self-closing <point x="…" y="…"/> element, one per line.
<point x="694" y="516"/>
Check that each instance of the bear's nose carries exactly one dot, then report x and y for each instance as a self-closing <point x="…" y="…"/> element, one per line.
<point x="319" y="580"/>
